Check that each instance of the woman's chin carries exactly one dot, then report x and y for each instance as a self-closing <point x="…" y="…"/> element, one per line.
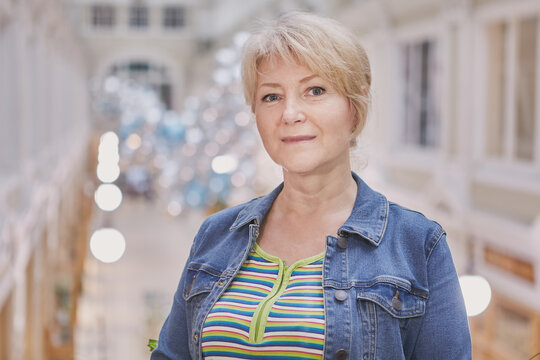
<point x="302" y="168"/>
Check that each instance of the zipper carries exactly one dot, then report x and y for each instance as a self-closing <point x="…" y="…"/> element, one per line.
<point x="258" y="322"/>
<point x="226" y="284"/>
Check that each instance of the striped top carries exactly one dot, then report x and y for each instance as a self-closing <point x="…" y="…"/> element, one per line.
<point x="269" y="311"/>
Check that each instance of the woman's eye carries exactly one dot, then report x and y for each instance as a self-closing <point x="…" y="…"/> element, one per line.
<point x="270" y="98"/>
<point x="316" y="91"/>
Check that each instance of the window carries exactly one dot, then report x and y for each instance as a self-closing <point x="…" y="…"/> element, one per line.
<point x="139" y="67"/>
<point x="421" y="102"/>
<point x="173" y="17"/>
<point x="138" y="16"/>
<point x="103" y="16"/>
<point x="527" y="44"/>
<point x="496" y="40"/>
<point x="512" y="90"/>
<point x="147" y="74"/>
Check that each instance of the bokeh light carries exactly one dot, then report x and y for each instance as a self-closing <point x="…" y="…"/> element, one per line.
<point x="112" y="84"/>
<point x="108" y="172"/>
<point x="133" y="141"/>
<point x="108" y="148"/>
<point x="476" y="293"/>
<point x="107" y="245"/>
<point x="224" y="164"/>
<point x="108" y="197"/>
<point x="174" y="208"/>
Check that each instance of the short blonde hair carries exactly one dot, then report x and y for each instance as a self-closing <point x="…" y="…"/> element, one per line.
<point x="323" y="45"/>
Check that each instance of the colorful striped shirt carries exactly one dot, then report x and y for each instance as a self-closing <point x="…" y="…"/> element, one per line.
<point x="269" y="311"/>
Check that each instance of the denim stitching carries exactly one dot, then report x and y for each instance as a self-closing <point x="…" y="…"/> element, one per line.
<point x="435" y="240"/>
<point x="383" y="303"/>
<point x="374" y="349"/>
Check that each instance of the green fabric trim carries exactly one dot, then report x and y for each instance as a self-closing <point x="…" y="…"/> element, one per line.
<point x="257" y="326"/>
<point x="266" y="255"/>
<point x="260" y="316"/>
<point x="277" y="260"/>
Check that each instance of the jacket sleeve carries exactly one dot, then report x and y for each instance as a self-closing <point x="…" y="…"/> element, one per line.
<point x="173" y="343"/>
<point x="444" y="332"/>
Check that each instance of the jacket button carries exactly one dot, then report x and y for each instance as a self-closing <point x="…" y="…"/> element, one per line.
<point x="342" y="242"/>
<point x="340" y="295"/>
<point x="195" y="336"/>
<point x="341" y="354"/>
<point x="396" y="304"/>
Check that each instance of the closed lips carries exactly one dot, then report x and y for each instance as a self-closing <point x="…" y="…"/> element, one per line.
<point x="298" y="138"/>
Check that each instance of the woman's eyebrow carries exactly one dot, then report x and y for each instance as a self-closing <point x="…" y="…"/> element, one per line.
<point x="273" y="85"/>
<point x="303" y="80"/>
<point x="309" y="77"/>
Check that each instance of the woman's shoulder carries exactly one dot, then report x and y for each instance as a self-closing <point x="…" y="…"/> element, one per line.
<point x="409" y="217"/>
<point x="217" y="236"/>
<point x="229" y="215"/>
<point x="223" y="221"/>
<point x="414" y="225"/>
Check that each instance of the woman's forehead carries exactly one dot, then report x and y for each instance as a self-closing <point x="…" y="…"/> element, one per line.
<point x="272" y="63"/>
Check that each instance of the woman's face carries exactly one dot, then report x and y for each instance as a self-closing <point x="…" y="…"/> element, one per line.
<point x="305" y="124"/>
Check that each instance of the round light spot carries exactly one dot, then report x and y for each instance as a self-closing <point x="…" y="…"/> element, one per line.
<point x="109" y="137"/>
<point x="242" y="118"/>
<point x="224" y="164"/>
<point x="107" y="245"/>
<point x="112" y="84"/>
<point x="133" y="141"/>
<point x="476" y="293"/>
<point x="174" y="208"/>
<point x="108" y="197"/>
<point x="108" y="172"/>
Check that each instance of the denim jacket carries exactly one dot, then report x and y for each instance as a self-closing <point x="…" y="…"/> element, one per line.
<point x="390" y="287"/>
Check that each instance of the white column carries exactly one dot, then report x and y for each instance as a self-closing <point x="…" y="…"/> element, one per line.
<point x="9" y="136"/>
<point x="19" y="316"/>
<point x="25" y="136"/>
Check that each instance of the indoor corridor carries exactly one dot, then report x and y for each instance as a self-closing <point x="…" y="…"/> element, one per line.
<point x="123" y="304"/>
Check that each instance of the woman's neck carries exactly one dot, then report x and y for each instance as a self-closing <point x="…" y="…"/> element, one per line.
<point x="310" y="194"/>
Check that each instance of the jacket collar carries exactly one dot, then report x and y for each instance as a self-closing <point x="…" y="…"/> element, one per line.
<point x="368" y="218"/>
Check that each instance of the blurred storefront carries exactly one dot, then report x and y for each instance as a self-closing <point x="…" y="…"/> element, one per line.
<point x="127" y="116"/>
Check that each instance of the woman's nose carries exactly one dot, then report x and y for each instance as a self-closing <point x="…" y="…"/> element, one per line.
<point x="293" y="112"/>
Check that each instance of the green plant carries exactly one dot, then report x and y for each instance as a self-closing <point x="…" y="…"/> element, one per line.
<point x="152" y="344"/>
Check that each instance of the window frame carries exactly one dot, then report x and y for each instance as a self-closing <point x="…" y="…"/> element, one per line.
<point x="407" y="155"/>
<point x="94" y="17"/>
<point x="134" y="17"/>
<point x="420" y="134"/>
<point x="507" y="170"/>
<point x="164" y="17"/>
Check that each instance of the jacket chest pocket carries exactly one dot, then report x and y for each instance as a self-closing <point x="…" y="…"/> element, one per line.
<point x="385" y="309"/>
<point x="200" y="281"/>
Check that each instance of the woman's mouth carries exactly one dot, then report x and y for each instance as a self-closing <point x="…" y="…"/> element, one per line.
<point x="297" y="139"/>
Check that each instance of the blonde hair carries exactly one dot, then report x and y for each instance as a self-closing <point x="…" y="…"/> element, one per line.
<point x="321" y="44"/>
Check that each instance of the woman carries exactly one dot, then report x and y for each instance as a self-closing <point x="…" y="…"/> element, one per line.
<point x="323" y="266"/>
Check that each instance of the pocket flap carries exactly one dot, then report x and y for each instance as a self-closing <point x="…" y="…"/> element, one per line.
<point x="198" y="280"/>
<point x="397" y="300"/>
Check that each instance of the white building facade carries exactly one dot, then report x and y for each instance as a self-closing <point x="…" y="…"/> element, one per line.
<point x="455" y="133"/>
<point x="44" y="131"/>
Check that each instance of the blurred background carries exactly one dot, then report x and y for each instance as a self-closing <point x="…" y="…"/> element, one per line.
<point x="122" y="125"/>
